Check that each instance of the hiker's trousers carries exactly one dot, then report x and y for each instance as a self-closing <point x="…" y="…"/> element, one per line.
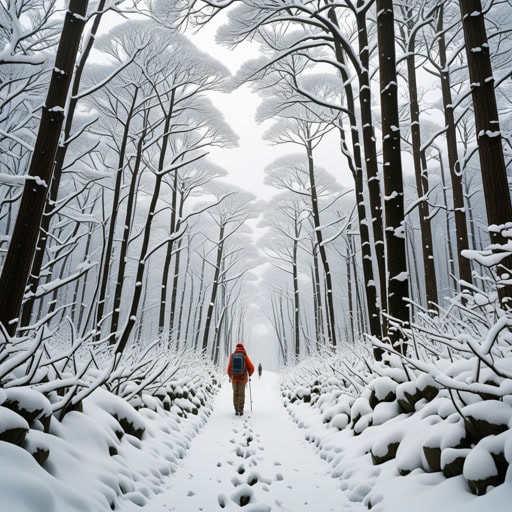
<point x="238" y="396"/>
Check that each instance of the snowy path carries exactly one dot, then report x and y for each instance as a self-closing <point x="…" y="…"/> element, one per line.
<point x="257" y="463"/>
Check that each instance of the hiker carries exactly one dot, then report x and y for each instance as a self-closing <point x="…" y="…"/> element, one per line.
<point x="260" y="369"/>
<point x="240" y="368"/>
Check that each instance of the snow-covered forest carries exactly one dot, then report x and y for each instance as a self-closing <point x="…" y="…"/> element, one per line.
<point x="131" y="264"/>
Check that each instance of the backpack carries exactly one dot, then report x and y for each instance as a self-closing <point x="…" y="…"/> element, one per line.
<point x="238" y="364"/>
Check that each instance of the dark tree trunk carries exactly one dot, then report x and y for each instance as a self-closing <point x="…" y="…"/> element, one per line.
<point x="396" y="261"/>
<point x="421" y="175"/>
<point x="376" y="289"/>
<point x="277" y="316"/>
<point x="174" y="326"/>
<point x="317" y="296"/>
<point x="18" y="261"/>
<point x="331" y="321"/>
<point x="107" y="255"/>
<point x="459" y="208"/>
<point x="168" y="254"/>
<point x="142" y="266"/>
<point x="370" y="153"/>
<point x="215" y="286"/>
<point x="125" y="239"/>
<point x="198" y="320"/>
<point x="296" y="310"/>
<point x="181" y="307"/>
<point x="487" y="127"/>
<point x="57" y="170"/>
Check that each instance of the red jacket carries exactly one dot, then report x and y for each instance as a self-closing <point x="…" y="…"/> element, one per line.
<point x="249" y="367"/>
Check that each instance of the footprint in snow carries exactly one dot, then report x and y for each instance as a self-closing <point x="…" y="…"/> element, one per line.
<point x="221" y="500"/>
<point x="243" y="496"/>
<point x="244" y="453"/>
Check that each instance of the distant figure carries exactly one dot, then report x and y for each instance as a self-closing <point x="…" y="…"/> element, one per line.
<point x="240" y="368"/>
<point x="260" y="369"/>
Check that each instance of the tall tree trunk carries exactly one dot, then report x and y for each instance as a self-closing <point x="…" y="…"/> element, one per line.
<point x="370" y="153"/>
<point x="276" y="316"/>
<point x="219" y="323"/>
<point x="296" y="304"/>
<point x="487" y="127"/>
<point x="420" y="170"/>
<point x="331" y="321"/>
<point x="215" y="286"/>
<point x="377" y="297"/>
<point x="450" y="256"/>
<point x="172" y="305"/>
<point x="317" y="300"/>
<point x="125" y="238"/>
<point x="198" y="317"/>
<point x="174" y="327"/>
<point x="181" y="307"/>
<point x="18" y="261"/>
<point x="107" y="255"/>
<point x="140" y="272"/>
<point x="350" y="324"/>
<point x="396" y="259"/>
<point x="459" y="208"/>
<point x="168" y="255"/>
<point x="58" y="166"/>
<point x="81" y="288"/>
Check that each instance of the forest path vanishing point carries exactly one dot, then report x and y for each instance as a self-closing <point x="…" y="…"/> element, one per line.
<point x="259" y="462"/>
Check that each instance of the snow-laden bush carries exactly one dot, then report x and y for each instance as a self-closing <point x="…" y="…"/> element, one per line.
<point x="436" y="409"/>
<point x="58" y="395"/>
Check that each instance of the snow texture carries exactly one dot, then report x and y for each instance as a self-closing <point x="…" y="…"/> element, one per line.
<point x="295" y="458"/>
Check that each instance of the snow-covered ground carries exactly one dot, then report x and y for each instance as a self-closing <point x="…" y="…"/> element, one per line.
<point x="274" y="458"/>
<point x="257" y="463"/>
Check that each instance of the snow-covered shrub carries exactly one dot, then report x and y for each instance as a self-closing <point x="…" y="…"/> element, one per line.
<point x="410" y="454"/>
<point x="340" y="406"/>
<point x="65" y="400"/>
<point x="28" y="403"/>
<point x="386" y="446"/>
<point x="423" y="387"/>
<point x="452" y="461"/>
<point x="36" y="443"/>
<point x="486" y="418"/>
<point x="385" y="411"/>
<point x="383" y="389"/>
<point x="13" y="427"/>
<point x="129" y="419"/>
<point x="451" y="394"/>
<point x="486" y="464"/>
<point x="448" y="434"/>
<point x="361" y="413"/>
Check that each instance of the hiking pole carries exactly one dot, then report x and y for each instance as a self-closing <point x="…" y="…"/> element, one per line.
<point x="250" y="393"/>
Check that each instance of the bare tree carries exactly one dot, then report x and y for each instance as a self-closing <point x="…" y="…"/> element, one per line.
<point x="230" y="214"/>
<point x="285" y="217"/>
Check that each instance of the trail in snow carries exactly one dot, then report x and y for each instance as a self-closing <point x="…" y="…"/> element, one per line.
<point x="257" y="463"/>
